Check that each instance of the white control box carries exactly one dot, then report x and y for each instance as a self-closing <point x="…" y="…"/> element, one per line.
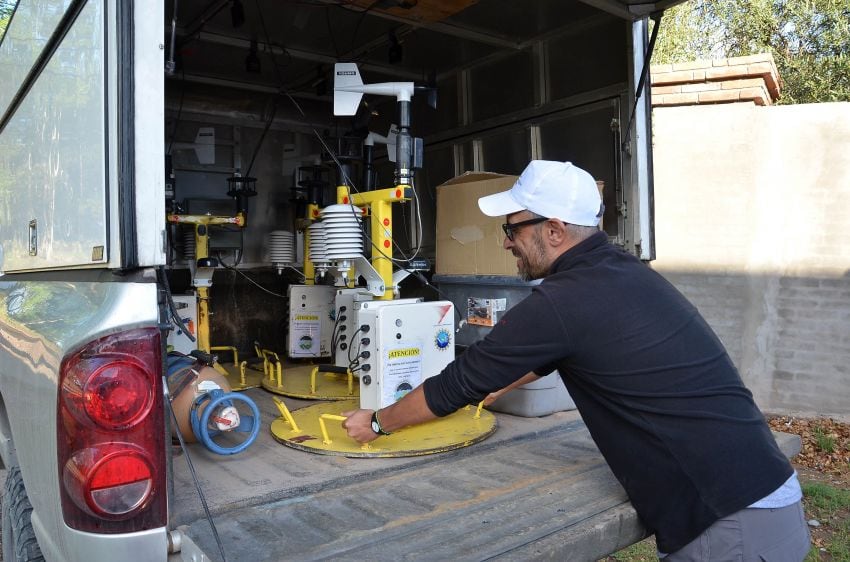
<point x="399" y="345"/>
<point x="311" y="320"/>
<point x="187" y="309"/>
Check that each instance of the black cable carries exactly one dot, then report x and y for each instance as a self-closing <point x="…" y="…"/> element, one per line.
<point x="331" y="33"/>
<point x="656" y="17"/>
<point x="334" y="331"/>
<point x="179" y="110"/>
<point x="424" y="281"/>
<point x="239" y="252"/>
<point x="360" y="21"/>
<point x="192" y="471"/>
<point x="350" y="346"/>
<point x="354" y="365"/>
<point x="279" y="79"/>
<point x="252" y="281"/>
<point x="170" y="64"/>
<point x="172" y="308"/>
<point x="262" y="136"/>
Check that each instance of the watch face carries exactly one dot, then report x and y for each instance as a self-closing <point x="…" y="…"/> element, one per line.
<point x="375" y="427"/>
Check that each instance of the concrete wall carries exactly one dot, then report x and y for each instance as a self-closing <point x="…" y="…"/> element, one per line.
<point x="752" y="222"/>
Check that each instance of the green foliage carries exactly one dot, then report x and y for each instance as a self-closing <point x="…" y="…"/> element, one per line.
<point x="823" y="499"/>
<point x="824" y="442"/>
<point x="809" y="40"/>
<point x="830" y="506"/>
<point x="6" y="9"/>
<point x="644" y="551"/>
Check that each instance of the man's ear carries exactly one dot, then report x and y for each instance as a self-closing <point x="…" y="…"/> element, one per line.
<point x="555" y="232"/>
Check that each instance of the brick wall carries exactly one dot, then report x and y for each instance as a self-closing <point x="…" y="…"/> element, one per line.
<point x="752" y="215"/>
<point x="753" y="79"/>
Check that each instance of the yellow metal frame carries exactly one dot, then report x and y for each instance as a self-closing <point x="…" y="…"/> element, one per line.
<point x="379" y="205"/>
<point x="202" y="250"/>
<point x="309" y="269"/>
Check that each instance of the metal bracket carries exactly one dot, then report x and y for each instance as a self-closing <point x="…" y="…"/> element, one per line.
<point x="203" y="277"/>
<point x="374" y="281"/>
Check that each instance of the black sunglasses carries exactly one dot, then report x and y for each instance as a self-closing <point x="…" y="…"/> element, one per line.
<point x="510" y="228"/>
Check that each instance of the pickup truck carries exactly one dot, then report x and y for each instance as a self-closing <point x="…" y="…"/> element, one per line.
<point x="113" y="113"/>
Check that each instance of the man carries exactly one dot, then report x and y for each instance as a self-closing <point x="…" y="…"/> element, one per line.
<point x="654" y="385"/>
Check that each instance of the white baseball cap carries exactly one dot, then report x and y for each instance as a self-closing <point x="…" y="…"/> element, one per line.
<point x="555" y="190"/>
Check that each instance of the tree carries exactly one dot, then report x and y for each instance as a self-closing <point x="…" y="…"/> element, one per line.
<point x="809" y="40"/>
<point x="6" y="9"/>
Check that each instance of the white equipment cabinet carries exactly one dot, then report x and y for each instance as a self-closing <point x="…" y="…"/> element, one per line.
<point x="399" y="345"/>
<point x="311" y="320"/>
<point x="187" y="309"/>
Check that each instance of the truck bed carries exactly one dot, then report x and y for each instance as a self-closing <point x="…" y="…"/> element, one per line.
<point x="538" y="488"/>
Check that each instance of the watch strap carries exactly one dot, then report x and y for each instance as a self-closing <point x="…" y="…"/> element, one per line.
<point x="376" y="425"/>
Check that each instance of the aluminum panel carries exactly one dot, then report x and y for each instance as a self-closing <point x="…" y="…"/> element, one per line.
<point x="53" y="209"/>
<point x="572" y="71"/>
<point x="25" y="38"/>
<point x="585" y="138"/>
<point x="507" y="152"/>
<point x="502" y="86"/>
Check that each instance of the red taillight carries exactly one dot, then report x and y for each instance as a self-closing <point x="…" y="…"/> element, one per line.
<point x="111" y="434"/>
<point x="112" y="390"/>
<point x="111" y="482"/>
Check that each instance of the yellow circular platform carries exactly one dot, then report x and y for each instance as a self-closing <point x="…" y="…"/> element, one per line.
<point x="237" y="380"/>
<point x="465" y="427"/>
<point x="295" y="382"/>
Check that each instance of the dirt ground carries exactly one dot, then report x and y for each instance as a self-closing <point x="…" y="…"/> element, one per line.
<point x="814" y="462"/>
<point x="825" y="458"/>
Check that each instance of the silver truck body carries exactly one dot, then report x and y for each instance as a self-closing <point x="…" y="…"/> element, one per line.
<point x="82" y="231"/>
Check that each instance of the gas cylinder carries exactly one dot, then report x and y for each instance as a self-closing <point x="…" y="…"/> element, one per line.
<point x="188" y="379"/>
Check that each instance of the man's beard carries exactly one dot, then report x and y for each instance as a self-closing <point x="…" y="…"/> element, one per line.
<point x="531" y="264"/>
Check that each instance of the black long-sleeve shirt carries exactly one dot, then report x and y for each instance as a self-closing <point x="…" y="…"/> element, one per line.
<point x="653" y="383"/>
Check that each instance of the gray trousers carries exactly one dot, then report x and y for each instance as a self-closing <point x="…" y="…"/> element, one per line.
<point x="769" y="535"/>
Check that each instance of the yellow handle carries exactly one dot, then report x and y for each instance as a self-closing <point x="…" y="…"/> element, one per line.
<point x="315" y="371"/>
<point x="313" y="380"/>
<point x="287" y="415"/>
<point x="478" y="411"/>
<point x="333" y="417"/>
<point x="227" y="348"/>
<point x="270" y="352"/>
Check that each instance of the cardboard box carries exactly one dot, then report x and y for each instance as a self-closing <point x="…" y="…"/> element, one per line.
<point x="468" y="241"/>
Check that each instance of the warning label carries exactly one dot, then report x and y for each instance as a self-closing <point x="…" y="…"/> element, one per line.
<point x="484" y="312"/>
<point x="305" y="336"/>
<point x="402" y="373"/>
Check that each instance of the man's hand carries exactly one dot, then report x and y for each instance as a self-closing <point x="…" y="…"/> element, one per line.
<point x="359" y="425"/>
<point x="493" y="396"/>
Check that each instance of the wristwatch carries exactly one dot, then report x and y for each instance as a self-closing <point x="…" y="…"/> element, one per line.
<point x="376" y="425"/>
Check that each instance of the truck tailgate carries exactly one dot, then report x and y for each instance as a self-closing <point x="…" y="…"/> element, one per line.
<point x="538" y="488"/>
